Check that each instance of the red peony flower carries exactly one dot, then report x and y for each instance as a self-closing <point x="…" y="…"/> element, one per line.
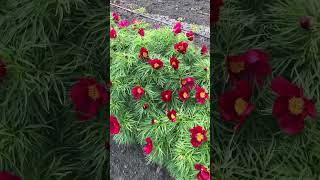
<point x="204" y="50"/>
<point x="174" y="62"/>
<point x="184" y="94"/>
<point x="145" y="106"/>
<point x="172" y="115"/>
<point x="88" y="96"/>
<point x="156" y="63"/>
<point x="251" y="65"/>
<point x="166" y="95"/>
<point x="148" y="147"/>
<point x="123" y="24"/>
<point x="4" y="175"/>
<point x="291" y="107"/>
<point x="137" y="92"/>
<point x="201" y="95"/>
<point x="198" y="136"/>
<point x="141" y="32"/>
<point x="115" y="17"/>
<point x="189" y="35"/>
<point x="188" y="82"/>
<point x="306" y="22"/>
<point x="3" y="69"/>
<point x="234" y="105"/>
<point x="181" y="47"/>
<point x="114" y="125"/>
<point x="135" y="21"/>
<point x="113" y="33"/>
<point x="216" y="5"/>
<point x="203" y="174"/>
<point x="177" y="28"/>
<point x="144" y="54"/>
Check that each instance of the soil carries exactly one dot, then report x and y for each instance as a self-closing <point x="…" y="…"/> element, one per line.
<point x="128" y="161"/>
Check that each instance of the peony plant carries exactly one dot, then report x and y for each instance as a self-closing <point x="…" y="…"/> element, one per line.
<point x="160" y="95"/>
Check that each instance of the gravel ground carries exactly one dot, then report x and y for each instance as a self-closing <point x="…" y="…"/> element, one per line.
<point x="128" y="161"/>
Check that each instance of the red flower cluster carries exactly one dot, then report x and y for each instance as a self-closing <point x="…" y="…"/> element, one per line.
<point x="113" y="33"/>
<point x="291" y="107"/>
<point x="88" y="96"/>
<point x="174" y="62"/>
<point x="4" y="175"/>
<point x="3" y="69"/>
<point x="181" y="47"/>
<point x="141" y="32"/>
<point x="123" y="24"/>
<point x="144" y="54"/>
<point x="137" y="92"/>
<point x="148" y="147"/>
<point x="203" y="174"/>
<point x="114" y="125"/>
<point x="115" y="17"/>
<point x="177" y="28"/>
<point x="156" y="63"/>
<point x="198" y="136"/>
<point x="188" y="82"/>
<point x="216" y="5"/>
<point x="184" y="94"/>
<point x="166" y="95"/>
<point x="234" y="105"/>
<point x="172" y="115"/>
<point x="201" y="95"/>
<point x="189" y="35"/>
<point x="251" y="65"/>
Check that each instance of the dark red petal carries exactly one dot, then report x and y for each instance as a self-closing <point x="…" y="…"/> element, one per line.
<point x="243" y="89"/>
<point x="291" y="124"/>
<point x="280" y="107"/>
<point x="311" y="108"/>
<point x="283" y="87"/>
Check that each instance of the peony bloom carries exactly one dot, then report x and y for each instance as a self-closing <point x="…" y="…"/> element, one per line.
<point x="113" y="33"/>
<point x="187" y="82"/>
<point x="251" y="65"/>
<point x="216" y="5"/>
<point x="114" y="125"/>
<point x="135" y="21"/>
<point x="166" y="95"/>
<point x="3" y="69"/>
<point x="201" y="95"/>
<point x="144" y="54"/>
<point x="172" y="115"/>
<point x="203" y="174"/>
<point x="177" y="28"/>
<point x="156" y="63"/>
<point x="154" y="121"/>
<point x="184" y="94"/>
<point x="198" y="136"/>
<point x="123" y="24"/>
<point x="145" y="106"/>
<point x="189" y="35"/>
<point x="306" y="22"/>
<point x="291" y="107"/>
<point x="88" y="96"/>
<point x="148" y="147"/>
<point x="174" y="62"/>
<point x="115" y="17"/>
<point x="137" y="92"/>
<point x="234" y="105"/>
<point x="141" y="32"/>
<point x="204" y="50"/>
<point x="181" y="47"/>
<point x="4" y="175"/>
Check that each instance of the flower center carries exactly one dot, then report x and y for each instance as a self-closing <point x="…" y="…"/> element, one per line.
<point x="183" y="82"/>
<point x="166" y="96"/>
<point x="93" y="92"/>
<point x="174" y="63"/>
<point x="139" y="90"/>
<point x="202" y="94"/>
<point x="156" y="65"/>
<point x="240" y="106"/>
<point x="296" y="105"/>
<point x="185" y="95"/>
<point x="144" y="54"/>
<point x="199" y="137"/>
<point x="173" y="116"/>
<point x="236" y="67"/>
<point x="181" y="48"/>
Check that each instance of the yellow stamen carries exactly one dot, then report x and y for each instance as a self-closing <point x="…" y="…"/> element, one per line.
<point x="144" y="54"/>
<point x="185" y="95"/>
<point x="173" y="63"/>
<point x="296" y="105"/>
<point x="183" y="82"/>
<point x="93" y="92"/>
<point x="236" y="67"/>
<point x="139" y="90"/>
<point x="173" y="116"/>
<point x="202" y="94"/>
<point x="156" y="65"/>
<point x="199" y="137"/>
<point x="240" y="106"/>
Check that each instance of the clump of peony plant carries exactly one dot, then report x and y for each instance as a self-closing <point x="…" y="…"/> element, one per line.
<point x="160" y="95"/>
